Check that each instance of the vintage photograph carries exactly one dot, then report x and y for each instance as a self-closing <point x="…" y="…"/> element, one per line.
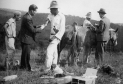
<point x="61" y="42"/>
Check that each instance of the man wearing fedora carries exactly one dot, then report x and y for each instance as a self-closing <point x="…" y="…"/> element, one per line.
<point x="57" y="20"/>
<point x="102" y="36"/>
<point x="27" y="36"/>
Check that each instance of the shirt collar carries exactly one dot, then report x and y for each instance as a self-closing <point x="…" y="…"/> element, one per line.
<point x="103" y="17"/>
<point x="56" y="15"/>
<point x="29" y="15"/>
<point x="13" y="20"/>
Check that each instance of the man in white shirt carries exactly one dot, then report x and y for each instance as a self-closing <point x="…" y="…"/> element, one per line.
<point x="10" y="29"/>
<point x="87" y="22"/>
<point x="57" y="21"/>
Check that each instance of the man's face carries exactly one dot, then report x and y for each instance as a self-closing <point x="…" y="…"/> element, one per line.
<point x="101" y="15"/>
<point x="75" y="27"/>
<point x="89" y="19"/>
<point x="54" y="11"/>
<point x="33" y="12"/>
<point x="18" y="17"/>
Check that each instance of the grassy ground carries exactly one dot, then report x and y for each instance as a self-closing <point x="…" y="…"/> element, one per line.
<point x="25" y="77"/>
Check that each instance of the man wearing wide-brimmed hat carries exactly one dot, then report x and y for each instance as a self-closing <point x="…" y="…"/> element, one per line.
<point x="10" y="28"/>
<point x="87" y="22"/>
<point x="57" y="20"/>
<point x="102" y="36"/>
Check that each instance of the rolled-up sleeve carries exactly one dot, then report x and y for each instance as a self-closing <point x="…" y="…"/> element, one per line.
<point x="62" y="28"/>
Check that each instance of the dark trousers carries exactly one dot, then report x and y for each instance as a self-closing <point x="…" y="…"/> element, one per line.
<point x="25" y="56"/>
<point x="99" y="52"/>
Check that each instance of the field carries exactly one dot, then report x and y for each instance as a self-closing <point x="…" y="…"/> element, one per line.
<point x="25" y="77"/>
<point x="38" y="53"/>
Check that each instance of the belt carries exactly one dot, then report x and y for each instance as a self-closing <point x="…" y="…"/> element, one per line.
<point x="52" y="34"/>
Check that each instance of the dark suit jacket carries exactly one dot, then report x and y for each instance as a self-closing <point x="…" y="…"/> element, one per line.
<point x="28" y="31"/>
<point x="103" y="30"/>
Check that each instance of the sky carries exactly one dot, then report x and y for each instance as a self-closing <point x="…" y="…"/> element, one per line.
<point x="114" y="8"/>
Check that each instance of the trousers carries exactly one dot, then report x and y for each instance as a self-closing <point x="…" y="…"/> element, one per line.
<point x="25" y="56"/>
<point x="99" y="52"/>
<point x="10" y="48"/>
<point x="52" y="54"/>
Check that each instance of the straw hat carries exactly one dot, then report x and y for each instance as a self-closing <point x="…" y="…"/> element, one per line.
<point x="88" y="15"/>
<point x="54" y="4"/>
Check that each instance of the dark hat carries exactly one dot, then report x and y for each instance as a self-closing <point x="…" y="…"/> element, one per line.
<point x="102" y="11"/>
<point x="33" y="7"/>
<point x="75" y="23"/>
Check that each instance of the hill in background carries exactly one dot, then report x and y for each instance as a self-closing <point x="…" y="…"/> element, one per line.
<point x="42" y="38"/>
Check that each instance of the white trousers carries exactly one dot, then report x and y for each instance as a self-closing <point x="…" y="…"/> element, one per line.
<point x="52" y="54"/>
<point x="10" y="48"/>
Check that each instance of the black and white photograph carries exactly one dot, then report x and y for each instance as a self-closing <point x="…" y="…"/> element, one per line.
<point x="61" y="41"/>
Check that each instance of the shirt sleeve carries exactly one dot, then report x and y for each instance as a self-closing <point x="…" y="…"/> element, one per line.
<point x="62" y="28"/>
<point x="49" y="17"/>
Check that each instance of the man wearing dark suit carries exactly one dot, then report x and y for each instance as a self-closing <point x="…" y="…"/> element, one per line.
<point x="102" y="36"/>
<point x="27" y="36"/>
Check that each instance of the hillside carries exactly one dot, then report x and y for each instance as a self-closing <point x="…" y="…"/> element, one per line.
<point x="42" y="38"/>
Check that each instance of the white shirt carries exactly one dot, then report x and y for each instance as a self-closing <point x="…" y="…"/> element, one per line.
<point x="86" y="23"/>
<point x="58" y="22"/>
<point x="11" y="29"/>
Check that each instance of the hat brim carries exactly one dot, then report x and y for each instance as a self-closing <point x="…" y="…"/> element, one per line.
<point x="101" y="12"/>
<point x="53" y="7"/>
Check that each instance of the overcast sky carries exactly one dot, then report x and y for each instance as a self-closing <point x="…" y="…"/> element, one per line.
<point x="114" y="8"/>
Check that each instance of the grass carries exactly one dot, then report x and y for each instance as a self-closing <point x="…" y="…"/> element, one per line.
<point x="25" y="77"/>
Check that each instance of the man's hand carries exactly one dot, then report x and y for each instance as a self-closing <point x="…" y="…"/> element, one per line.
<point x="56" y="30"/>
<point x="42" y="26"/>
<point x="54" y="37"/>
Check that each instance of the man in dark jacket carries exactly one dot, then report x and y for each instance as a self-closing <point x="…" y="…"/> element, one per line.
<point x="27" y="36"/>
<point x="102" y="36"/>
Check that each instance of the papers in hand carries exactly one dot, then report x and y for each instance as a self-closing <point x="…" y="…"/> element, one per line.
<point x="9" y="78"/>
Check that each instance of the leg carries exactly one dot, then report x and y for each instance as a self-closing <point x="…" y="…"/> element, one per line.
<point x="99" y="53"/>
<point x="52" y="54"/>
<point x="55" y="55"/>
<point x="23" y="64"/>
<point x="85" y="55"/>
<point x="49" y="56"/>
<point x="27" y="58"/>
<point x="59" y="50"/>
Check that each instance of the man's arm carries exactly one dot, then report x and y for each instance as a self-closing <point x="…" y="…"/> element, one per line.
<point x="62" y="29"/>
<point x="5" y="27"/>
<point x="46" y="23"/>
<point x="30" y="26"/>
<point x="101" y="27"/>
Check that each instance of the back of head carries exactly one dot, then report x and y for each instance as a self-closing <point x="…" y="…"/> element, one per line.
<point x="17" y="13"/>
<point x="33" y="7"/>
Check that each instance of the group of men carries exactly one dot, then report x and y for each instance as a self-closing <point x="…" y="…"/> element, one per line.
<point x="57" y="19"/>
<point x="102" y="36"/>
